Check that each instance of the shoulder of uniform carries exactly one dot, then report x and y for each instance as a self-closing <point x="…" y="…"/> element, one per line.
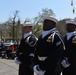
<point x="55" y="34"/>
<point x="52" y="36"/>
<point x="32" y="36"/>
<point x="58" y="35"/>
<point x="31" y="40"/>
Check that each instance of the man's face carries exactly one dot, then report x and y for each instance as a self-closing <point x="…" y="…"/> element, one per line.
<point x="27" y="29"/>
<point x="47" y="25"/>
<point x="70" y="27"/>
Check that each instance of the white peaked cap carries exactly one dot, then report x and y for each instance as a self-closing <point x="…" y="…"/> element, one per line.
<point x="27" y="24"/>
<point x="71" y="22"/>
<point x="50" y="18"/>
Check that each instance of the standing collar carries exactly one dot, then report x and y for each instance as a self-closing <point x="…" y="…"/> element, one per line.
<point x="45" y="33"/>
<point x="69" y="35"/>
<point x="27" y="34"/>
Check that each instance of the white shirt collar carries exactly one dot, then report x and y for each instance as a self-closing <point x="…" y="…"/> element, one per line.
<point x="27" y="34"/>
<point x="44" y="33"/>
<point x="69" y="35"/>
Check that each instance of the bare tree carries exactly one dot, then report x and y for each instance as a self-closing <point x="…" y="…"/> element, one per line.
<point x="44" y="12"/>
<point x="14" y="26"/>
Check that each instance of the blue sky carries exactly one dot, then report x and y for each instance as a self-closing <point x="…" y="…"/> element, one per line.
<point x="30" y="8"/>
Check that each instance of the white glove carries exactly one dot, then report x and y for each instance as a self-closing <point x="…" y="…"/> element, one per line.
<point x="65" y="63"/>
<point x="38" y="72"/>
<point x="31" y="54"/>
<point x="17" y="61"/>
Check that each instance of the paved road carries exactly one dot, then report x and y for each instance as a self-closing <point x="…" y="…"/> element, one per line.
<point x="8" y="67"/>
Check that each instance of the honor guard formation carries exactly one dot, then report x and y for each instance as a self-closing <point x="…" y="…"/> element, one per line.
<point x="43" y="44"/>
<point x="51" y="53"/>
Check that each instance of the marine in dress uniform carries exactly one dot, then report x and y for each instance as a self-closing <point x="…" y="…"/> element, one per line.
<point x="69" y="61"/>
<point x="49" y="49"/>
<point x="25" y="53"/>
